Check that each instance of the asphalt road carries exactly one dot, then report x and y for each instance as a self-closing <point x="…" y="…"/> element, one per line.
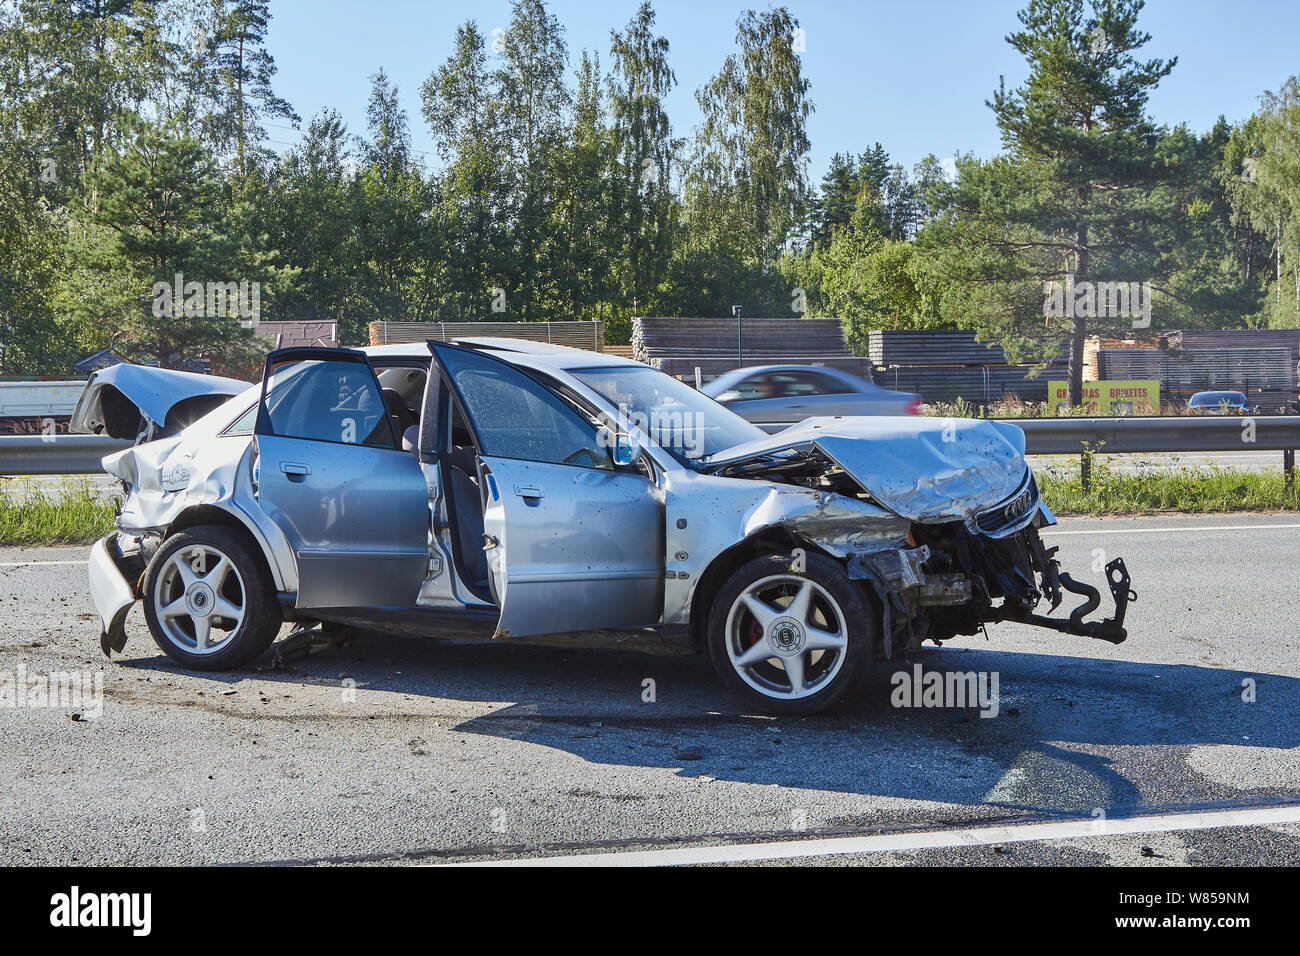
<point x="455" y="752"/>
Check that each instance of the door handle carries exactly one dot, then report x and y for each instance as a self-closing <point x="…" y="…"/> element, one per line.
<point x="296" y="470"/>
<point x="528" y="491"/>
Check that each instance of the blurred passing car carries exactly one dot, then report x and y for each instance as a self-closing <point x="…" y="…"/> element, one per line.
<point x="1218" y="403"/>
<point x="791" y="393"/>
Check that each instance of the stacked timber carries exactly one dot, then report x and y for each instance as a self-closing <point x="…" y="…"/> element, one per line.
<point x="1188" y="370"/>
<point x="622" y="351"/>
<point x="945" y="365"/>
<point x="1131" y="363"/>
<point x="678" y="346"/>
<point x="979" y="384"/>
<point x="1095" y="343"/>
<point x="1266" y="375"/>
<point x="1288" y="339"/>
<point x="887" y="347"/>
<point x="890" y="347"/>
<point x="578" y="335"/>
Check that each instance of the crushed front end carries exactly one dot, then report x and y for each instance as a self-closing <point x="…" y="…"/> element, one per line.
<point x="994" y="567"/>
<point x="972" y="554"/>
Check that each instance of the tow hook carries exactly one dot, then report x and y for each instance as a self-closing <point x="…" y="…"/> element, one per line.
<point x="1112" y="628"/>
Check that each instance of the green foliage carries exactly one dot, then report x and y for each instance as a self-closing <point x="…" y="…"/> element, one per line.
<point x="1265" y="193"/>
<point x="74" y="514"/>
<point x="1192" y="490"/>
<point x="643" y="153"/>
<point x="136" y="142"/>
<point x="162" y="215"/>
<point x="1077" y="192"/>
<point x="747" y="182"/>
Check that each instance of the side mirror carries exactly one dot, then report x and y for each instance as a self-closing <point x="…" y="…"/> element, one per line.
<point x="626" y="450"/>
<point x="411" y="438"/>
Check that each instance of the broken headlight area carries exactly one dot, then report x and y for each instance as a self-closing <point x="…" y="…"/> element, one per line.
<point x="955" y="581"/>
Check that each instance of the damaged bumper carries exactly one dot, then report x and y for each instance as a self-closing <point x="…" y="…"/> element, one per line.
<point x="112" y="593"/>
<point x="1108" y="629"/>
<point x="954" y="582"/>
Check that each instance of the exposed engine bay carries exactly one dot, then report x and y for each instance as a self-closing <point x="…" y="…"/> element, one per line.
<point x="960" y="575"/>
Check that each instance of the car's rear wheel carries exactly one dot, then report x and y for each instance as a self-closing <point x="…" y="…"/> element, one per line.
<point x="791" y="641"/>
<point x="209" y="602"/>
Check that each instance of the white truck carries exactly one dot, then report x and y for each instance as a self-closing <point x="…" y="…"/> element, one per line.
<point x="32" y="406"/>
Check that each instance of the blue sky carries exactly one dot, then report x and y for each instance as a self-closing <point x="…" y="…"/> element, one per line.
<point x="912" y="75"/>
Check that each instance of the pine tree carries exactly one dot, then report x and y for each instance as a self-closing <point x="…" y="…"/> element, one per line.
<point x="1082" y="144"/>
<point x="243" y="70"/>
<point x="162" y="214"/>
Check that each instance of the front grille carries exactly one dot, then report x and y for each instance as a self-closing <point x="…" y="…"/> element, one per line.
<point x="1009" y="512"/>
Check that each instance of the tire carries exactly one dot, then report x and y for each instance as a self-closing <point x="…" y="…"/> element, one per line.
<point x="837" y="619"/>
<point x="194" y="576"/>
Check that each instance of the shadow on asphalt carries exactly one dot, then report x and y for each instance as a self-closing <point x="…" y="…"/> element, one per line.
<point x="1070" y="734"/>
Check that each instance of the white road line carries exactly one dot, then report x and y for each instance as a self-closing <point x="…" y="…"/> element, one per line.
<point x="903" y="842"/>
<point x="32" y="564"/>
<point x="1219" y="527"/>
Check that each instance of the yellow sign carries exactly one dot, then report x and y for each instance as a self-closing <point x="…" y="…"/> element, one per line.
<point x="1109" y="398"/>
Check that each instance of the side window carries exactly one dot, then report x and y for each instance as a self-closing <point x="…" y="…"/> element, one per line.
<point x="788" y="385"/>
<point x="516" y="417"/>
<point x="759" y="386"/>
<point x="811" y="383"/>
<point x="243" y="425"/>
<point x="328" y="401"/>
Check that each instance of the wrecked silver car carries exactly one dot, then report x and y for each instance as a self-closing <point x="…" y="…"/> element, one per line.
<point x="519" y="491"/>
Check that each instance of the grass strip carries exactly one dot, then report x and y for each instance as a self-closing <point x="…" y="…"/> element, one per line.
<point x="74" y="514"/>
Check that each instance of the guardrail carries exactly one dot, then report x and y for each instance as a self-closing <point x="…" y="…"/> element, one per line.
<point x="80" y="454"/>
<point x="1172" y="434"/>
<point x="55" y="454"/>
<point x="1164" y="434"/>
<point x="1168" y="434"/>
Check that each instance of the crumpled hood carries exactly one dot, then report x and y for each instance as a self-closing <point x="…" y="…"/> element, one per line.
<point x="925" y="469"/>
<point x="154" y="391"/>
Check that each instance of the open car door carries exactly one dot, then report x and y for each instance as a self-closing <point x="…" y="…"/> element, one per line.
<point x="573" y="542"/>
<point x="331" y="474"/>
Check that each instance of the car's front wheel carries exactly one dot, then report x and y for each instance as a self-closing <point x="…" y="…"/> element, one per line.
<point x="791" y="636"/>
<point x="210" y="604"/>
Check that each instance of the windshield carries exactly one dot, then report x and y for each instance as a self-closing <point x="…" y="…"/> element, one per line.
<point x="684" y="422"/>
